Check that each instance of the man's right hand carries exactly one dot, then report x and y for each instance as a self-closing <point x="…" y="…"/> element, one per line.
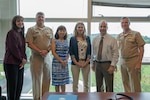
<point x="43" y="53"/>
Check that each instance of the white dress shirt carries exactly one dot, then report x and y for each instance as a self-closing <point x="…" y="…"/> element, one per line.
<point x="109" y="51"/>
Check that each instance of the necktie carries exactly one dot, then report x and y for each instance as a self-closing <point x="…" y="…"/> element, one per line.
<point x="100" y="49"/>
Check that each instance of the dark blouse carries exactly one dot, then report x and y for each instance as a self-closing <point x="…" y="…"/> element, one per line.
<point x="14" y="49"/>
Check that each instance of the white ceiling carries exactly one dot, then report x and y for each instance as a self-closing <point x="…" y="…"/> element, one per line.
<point x="140" y="3"/>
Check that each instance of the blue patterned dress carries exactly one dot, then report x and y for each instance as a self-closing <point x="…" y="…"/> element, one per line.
<point x="60" y="75"/>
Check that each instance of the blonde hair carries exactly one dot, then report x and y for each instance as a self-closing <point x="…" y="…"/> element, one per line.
<point x="76" y="32"/>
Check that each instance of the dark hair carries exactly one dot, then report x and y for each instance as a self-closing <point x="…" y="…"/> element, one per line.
<point x="14" y="26"/>
<point x="61" y="27"/>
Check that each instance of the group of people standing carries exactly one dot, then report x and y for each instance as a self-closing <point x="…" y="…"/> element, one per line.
<point x="104" y="53"/>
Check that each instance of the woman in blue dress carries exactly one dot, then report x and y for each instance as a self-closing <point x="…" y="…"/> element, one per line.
<point x="60" y="48"/>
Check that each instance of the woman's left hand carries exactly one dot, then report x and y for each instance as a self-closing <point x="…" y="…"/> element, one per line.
<point x="23" y="63"/>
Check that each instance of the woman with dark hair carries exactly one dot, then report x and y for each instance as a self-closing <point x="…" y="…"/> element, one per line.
<point x="60" y="73"/>
<point x="15" y="58"/>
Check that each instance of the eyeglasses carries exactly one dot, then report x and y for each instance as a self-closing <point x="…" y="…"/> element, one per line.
<point x="120" y="96"/>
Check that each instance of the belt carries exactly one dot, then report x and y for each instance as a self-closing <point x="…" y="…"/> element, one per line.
<point x="82" y="60"/>
<point x="102" y="61"/>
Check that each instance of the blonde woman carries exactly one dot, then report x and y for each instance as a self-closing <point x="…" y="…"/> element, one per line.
<point x="80" y="52"/>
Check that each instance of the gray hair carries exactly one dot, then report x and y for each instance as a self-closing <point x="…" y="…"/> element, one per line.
<point x="125" y="18"/>
<point x="103" y="21"/>
<point x="40" y="13"/>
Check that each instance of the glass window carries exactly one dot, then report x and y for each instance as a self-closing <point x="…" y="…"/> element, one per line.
<point x="108" y="11"/>
<point x="114" y="28"/>
<point x="69" y="25"/>
<point x="54" y="8"/>
<point x="70" y="28"/>
<point x="78" y="9"/>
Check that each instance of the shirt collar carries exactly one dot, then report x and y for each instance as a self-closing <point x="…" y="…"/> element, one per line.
<point x="39" y="27"/>
<point x="129" y="32"/>
<point x="104" y="36"/>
